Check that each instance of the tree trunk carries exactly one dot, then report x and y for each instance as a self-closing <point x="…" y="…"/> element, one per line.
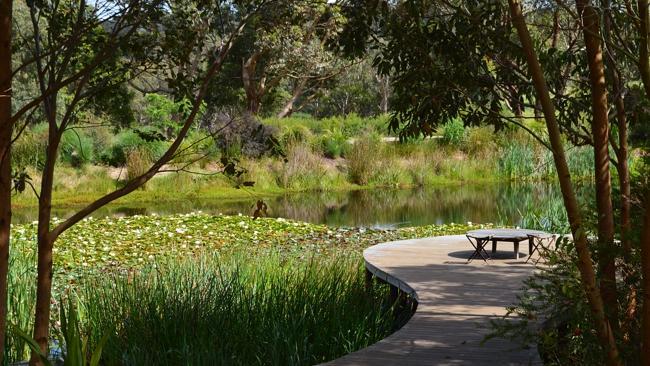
<point x="623" y="171"/>
<point x="644" y="48"/>
<point x="384" y="92"/>
<point x="645" y="265"/>
<point x="297" y="92"/>
<point x="6" y="128"/>
<point x="600" y="136"/>
<point x="44" y="240"/>
<point x="644" y="69"/>
<point x="587" y="274"/>
<point x="254" y="89"/>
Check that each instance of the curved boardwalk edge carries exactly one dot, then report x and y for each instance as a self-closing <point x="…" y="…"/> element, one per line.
<point x="456" y="302"/>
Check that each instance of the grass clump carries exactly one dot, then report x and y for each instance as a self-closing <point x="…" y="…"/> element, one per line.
<point x="138" y="161"/>
<point x="217" y="310"/>
<point x="363" y="159"/>
<point x="517" y="161"/>
<point x="302" y="168"/>
<point x="453" y="132"/>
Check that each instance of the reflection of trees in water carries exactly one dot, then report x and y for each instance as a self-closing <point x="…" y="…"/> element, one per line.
<point x="379" y="207"/>
<point x="477" y="203"/>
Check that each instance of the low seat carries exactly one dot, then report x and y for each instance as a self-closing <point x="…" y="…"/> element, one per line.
<point x="479" y="242"/>
<point x="540" y="242"/>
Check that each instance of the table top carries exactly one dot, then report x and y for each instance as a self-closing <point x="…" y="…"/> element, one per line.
<point x="507" y="234"/>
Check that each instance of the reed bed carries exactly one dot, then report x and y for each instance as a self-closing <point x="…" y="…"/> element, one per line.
<point x="235" y="310"/>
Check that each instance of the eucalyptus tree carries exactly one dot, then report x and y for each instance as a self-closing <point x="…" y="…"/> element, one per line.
<point x="81" y="54"/>
<point x="286" y="45"/>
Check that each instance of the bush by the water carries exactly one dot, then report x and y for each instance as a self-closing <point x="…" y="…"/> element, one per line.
<point x="240" y="134"/>
<point x="127" y="141"/>
<point x="363" y="159"/>
<point x="453" y="132"/>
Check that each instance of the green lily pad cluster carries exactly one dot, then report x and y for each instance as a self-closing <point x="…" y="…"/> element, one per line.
<point x="128" y="243"/>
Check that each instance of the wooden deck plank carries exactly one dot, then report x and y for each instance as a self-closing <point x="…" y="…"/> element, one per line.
<point x="456" y="301"/>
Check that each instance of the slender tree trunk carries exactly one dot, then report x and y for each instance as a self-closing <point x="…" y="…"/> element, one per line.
<point x="645" y="265"/>
<point x="587" y="274"/>
<point x="622" y="149"/>
<point x="644" y="48"/>
<point x="297" y="92"/>
<point x="622" y="169"/>
<point x="556" y="28"/>
<point x="600" y="136"/>
<point x="44" y="239"/>
<point x="6" y="128"/>
<point x="644" y="69"/>
<point x="384" y="92"/>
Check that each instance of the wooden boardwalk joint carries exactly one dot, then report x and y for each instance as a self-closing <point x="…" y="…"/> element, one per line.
<point x="456" y="302"/>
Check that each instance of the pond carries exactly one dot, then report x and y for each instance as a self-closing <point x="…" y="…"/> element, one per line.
<point x="377" y="208"/>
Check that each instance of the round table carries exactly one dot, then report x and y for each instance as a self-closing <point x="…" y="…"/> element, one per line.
<point x="508" y="235"/>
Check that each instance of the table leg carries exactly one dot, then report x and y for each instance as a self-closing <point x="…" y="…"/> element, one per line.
<point x="530" y="246"/>
<point x="517" y="249"/>
<point x="494" y="247"/>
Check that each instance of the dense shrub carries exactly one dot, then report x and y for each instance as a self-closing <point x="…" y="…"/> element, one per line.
<point x="29" y="148"/>
<point x="76" y="148"/>
<point x="238" y="135"/>
<point x="116" y="154"/>
<point x="333" y="144"/>
<point x="453" y="132"/>
<point x="138" y="161"/>
<point x="480" y="141"/>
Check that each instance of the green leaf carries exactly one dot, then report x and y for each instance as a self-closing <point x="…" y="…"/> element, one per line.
<point x="97" y="353"/>
<point x="31" y="343"/>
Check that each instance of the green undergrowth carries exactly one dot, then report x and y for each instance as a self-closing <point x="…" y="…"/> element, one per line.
<point x="217" y="289"/>
<point x="318" y="155"/>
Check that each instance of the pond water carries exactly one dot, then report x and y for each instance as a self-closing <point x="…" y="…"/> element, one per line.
<point x="379" y="208"/>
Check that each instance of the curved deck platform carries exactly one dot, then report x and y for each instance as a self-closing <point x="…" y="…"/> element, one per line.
<point x="456" y="301"/>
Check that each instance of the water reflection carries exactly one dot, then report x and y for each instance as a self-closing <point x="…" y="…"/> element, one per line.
<point x="369" y="208"/>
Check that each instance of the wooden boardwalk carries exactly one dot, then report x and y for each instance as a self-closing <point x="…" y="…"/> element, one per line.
<point x="456" y="300"/>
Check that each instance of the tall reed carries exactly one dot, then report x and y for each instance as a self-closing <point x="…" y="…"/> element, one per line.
<point x="21" y="298"/>
<point x="236" y="311"/>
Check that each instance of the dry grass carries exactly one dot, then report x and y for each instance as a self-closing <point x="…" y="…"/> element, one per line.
<point x="303" y="168"/>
